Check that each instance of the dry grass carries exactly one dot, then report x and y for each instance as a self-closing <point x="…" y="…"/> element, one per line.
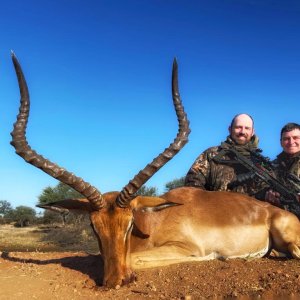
<point x="47" y="238"/>
<point x="22" y="239"/>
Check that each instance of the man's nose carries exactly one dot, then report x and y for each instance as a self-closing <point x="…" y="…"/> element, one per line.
<point x="291" y="140"/>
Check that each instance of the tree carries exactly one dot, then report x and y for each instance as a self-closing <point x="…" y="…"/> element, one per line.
<point x="52" y="194"/>
<point x="23" y="215"/>
<point x="50" y="217"/>
<point x="177" y="182"/>
<point x="5" y="207"/>
<point x="147" y="191"/>
<point x="60" y="192"/>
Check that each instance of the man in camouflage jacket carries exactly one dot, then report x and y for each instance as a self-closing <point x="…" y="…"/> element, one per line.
<point x="209" y="174"/>
<point x="287" y="163"/>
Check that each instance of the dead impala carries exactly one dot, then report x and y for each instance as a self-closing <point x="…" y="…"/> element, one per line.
<point x="185" y="224"/>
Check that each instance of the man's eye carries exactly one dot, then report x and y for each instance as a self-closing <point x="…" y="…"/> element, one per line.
<point x="295" y="138"/>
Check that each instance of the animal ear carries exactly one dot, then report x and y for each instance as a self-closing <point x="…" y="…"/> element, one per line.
<point x="150" y="204"/>
<point x="66" y="205"/>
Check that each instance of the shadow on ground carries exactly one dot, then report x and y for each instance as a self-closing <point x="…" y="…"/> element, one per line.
<point x="91" y="265"/>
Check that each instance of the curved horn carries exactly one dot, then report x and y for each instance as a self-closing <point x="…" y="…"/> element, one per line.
<point x="19" y="142"/>
<point x="127" y="193"/>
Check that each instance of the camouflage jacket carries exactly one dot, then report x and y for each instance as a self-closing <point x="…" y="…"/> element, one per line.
<point x="285" y="165"/>
<point x="208" y="174"/>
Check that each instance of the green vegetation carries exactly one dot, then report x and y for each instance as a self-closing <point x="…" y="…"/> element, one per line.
<point x="60" y="192"/>
<point x="147" y="191"/>
<point x="178" y="182"/>
<point x="5" y="207"/>
<point x="21" y="216"/>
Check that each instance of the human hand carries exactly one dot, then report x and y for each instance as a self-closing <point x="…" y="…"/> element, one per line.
<point x="273" y="197"/>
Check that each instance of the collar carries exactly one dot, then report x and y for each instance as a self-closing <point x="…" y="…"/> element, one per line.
<point x="286" y="157"/>
<point x="250" y="146"/>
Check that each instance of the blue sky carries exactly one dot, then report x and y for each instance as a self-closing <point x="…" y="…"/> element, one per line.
<point x="99" y="77"/>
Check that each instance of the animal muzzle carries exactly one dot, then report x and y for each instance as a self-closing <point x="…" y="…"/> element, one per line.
<point x="119" y="279"/>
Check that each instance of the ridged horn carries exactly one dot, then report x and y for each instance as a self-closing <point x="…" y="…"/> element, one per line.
<point x="127" y="193"/>
<point x="22" y="148"/>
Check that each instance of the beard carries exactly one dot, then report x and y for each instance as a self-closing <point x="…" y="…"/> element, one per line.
<point x="241" y="138"/>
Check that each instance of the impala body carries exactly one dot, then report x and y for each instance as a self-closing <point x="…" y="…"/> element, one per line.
<point x="185" y="224"/>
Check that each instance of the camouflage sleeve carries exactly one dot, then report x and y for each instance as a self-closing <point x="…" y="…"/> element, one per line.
<point x="295" y="169"/>
<point x="198" y="174"/>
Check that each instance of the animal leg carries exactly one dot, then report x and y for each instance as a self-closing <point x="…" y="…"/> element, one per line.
<point x="163" y="256"/>
<point x="294" y="250"/>
<point x="285" y="232"/>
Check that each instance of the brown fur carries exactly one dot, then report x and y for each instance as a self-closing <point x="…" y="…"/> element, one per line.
<point x="206" y="225"/>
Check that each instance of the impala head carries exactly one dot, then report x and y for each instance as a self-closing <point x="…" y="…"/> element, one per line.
<point x="112" y="213"/>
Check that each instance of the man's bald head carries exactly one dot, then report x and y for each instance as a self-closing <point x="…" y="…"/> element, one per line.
<point x="241" y="129"/>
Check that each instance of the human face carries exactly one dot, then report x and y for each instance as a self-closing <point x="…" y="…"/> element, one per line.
<point x="242" y="129"/>
<point x="290" y="141"/>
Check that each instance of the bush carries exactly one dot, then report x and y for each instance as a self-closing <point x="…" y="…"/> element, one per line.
<point x="22" y="216"/>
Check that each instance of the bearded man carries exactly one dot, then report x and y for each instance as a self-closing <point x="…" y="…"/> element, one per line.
<point x="210" y="173"/>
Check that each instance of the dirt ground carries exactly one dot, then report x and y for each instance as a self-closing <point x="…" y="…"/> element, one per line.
<point x="77" y="275"/>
